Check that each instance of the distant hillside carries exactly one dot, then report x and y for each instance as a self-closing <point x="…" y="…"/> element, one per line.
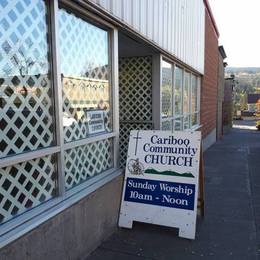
<point x="247" y="81"/>
<point x="238" y="70"/>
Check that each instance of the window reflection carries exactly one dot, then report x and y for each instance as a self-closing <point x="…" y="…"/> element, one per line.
<point x="166" y="89"/>
<point x="85" y="78"/>
<point x="26" y="122"/>
<point x="186" y="93"/>
<point x="186" y="101"/>
<point x="178" y="91"/>
<point x="178" y="124"/>
<point x="194" y="100"/>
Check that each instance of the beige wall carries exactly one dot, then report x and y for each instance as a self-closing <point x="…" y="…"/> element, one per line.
<point x="75" y="232"/>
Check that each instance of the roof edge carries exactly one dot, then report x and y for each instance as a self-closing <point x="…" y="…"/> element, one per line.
<point x="208" y="8"/>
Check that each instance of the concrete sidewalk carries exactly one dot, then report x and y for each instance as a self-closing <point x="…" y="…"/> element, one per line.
<point x="231" y="227"/>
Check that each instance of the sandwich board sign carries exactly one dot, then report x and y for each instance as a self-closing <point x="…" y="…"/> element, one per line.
<point x="162" y="180"/>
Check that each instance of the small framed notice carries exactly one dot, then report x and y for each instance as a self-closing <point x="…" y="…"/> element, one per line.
<point x="161" y="180"/>
<point x="96" y="122"/>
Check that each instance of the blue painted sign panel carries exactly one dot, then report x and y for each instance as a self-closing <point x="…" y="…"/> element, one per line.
<point x="160" y="193"/>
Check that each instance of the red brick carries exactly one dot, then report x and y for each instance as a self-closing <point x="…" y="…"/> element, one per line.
<point x="210" y="79"/>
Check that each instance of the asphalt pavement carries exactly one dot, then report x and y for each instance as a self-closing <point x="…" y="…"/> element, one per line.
<point x="231" y="226"/>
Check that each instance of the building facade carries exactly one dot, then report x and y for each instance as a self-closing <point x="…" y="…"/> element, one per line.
<point x="75" y="78"/>
<point x="228" y="104"/>
<point x="209" y="88"/>
<point x="221" y="86"/>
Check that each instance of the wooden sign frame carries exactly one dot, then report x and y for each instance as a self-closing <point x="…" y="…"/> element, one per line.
<point x="201" y="195"/>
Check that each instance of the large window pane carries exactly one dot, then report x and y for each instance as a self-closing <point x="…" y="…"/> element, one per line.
<point x="186" y="122"/>
<point x="186" y="101"/>
<point x="84" y="162"/>
<point x="166" y="89"/>
<point x="195" y="119"/>
<point x="85" y="76"/>
<point x="186" y="93"/>
<point x="26" y="185"/>
<point x="194" y="90"/>
<point x="26" y="122"/>
<point x="178" y="91"/>
<point x="178" y="124"/>
<point x="194" y="99"/>
<point x="167" y="125"/>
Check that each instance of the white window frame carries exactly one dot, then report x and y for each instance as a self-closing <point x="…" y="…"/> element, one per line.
<point x="28" y="220"/>
<point x="189" y="114"/>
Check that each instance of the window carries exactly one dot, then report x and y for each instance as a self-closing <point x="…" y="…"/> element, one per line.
<point x="167" y="97"/>
<point x="178" y="95"/>
<point x="85" y="78"/>
<point x="186" y="101"/>
<point x="87" y="107"/>
<point x="27" y="115"/>
<point x="180" y="101"/>
<point x="26" y="91"/>
<point x="56" y="131"/>
<point x="195" y="100"/>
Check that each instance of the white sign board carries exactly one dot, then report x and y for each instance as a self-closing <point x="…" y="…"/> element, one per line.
<point x="95" y="121"/>
<point x="161" y="180"/>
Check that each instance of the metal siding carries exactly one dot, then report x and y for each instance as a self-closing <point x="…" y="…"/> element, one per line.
<point x="143" y="17"/>
<point x="149" y="20"/>
<point x="160" y="23"/>
<point x="178" y="26"/>
<point x="155" y="24"/>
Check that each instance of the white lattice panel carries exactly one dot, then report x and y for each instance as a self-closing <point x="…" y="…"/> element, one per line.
<point x="26" y="114"/>
<point x="23" y="38"/>
<point x="26" y="185"/>
<point x="83" y="47"/>
<point x="135" y="99"/>
<point x="26" y="108"/>
<point x="84" y="162"/>
<point x="79" y="96"/>
<point x="135" y="89"/>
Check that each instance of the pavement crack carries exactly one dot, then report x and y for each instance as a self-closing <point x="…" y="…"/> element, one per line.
<point x="128" y="253"/>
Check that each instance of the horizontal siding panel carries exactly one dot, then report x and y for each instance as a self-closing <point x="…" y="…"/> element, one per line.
<point x="177" y="26"/>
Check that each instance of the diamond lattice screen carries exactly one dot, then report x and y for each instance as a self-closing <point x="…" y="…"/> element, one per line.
<point x="26" y="185"/>
<point x="84" y="162"/>
<point x="26" y="108"/>
<point x="135" y="98"/>
<point x="79" y="96"/>
<point x="83" y="48"/>
<point x="85" y="75"/>
<point x="135" y="89"/>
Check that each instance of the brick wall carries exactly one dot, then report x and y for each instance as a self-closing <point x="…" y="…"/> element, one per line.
<point x="210" y="79"/>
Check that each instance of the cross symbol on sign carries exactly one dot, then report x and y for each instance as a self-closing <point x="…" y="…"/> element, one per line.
<point x="137" y="137"/>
